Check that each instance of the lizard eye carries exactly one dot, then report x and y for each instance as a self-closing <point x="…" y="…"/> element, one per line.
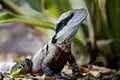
<point x="63" y="22"/>
<point x="61" y="25"/>
<point x="27" y="61"/>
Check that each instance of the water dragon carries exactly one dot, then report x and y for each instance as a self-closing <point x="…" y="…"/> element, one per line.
<point x="51" y="59"/>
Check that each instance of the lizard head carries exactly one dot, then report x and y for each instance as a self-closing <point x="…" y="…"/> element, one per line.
<point x="68" y="24"/>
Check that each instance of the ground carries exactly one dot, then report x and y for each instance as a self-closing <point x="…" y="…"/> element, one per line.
<point x="89" y="72"/>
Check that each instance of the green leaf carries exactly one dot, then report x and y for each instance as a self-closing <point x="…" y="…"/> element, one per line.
<point x="35" y="4"/>
<point x="61" y="5"/>
<point x="78" y="43"/>
<point x="6" y="17"/>
<point x="16" y="73"/>
<point x="113" y="13"/>
<point x="11" y="6"/>
<point x="51" y="6"/>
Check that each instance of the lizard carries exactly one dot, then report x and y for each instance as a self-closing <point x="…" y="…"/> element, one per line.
<point x="51" y="59"/>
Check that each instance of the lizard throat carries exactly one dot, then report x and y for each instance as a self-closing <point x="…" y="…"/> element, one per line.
<point x="66" y="47"/>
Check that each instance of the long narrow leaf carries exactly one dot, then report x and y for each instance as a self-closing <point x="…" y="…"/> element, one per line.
<point x="35" y="4"/>
<point x="113" y="13"/>
<point x="8" y="4"/>
<point x="6" y="17"/>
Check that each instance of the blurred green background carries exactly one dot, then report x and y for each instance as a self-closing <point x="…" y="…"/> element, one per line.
<point x="97" y="41"/>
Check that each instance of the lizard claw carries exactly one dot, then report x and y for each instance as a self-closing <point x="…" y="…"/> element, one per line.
<point x="60" y="76"/>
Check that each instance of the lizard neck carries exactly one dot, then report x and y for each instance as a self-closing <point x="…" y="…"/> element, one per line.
<point x="66" y="47"/>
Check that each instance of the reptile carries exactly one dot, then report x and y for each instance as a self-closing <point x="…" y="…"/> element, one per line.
<point x="51" y="59"/>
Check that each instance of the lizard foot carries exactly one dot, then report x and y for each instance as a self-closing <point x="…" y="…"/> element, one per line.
<point x="26" y="65"/>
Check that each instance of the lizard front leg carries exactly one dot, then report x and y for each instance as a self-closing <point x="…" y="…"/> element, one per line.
<point x="48" y="71"/>
<point x="75" y="68"/>
<point x="50" y="64"/>
<point x="26" y="65"/>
